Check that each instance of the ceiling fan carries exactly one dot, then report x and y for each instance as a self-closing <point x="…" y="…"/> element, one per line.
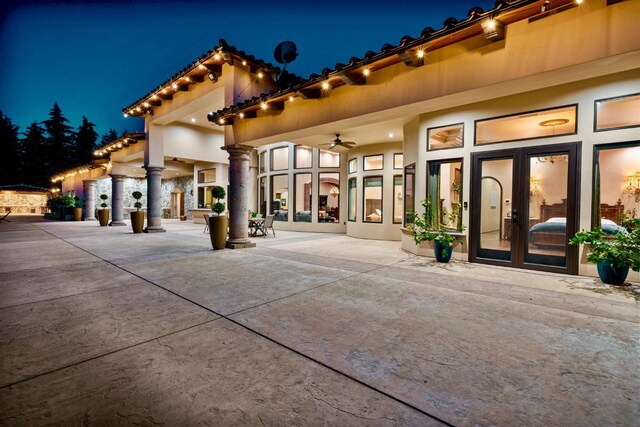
<point x="348" y="145"/>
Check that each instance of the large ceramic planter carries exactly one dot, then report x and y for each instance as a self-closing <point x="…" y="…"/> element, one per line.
<point x="218" y="232"/>
<point x="103" y="217"/>
<point x="77" y="214"/>
<point x="442" y="252"/>
<point x="612" y="275"/>
<point x="137" y="221"/>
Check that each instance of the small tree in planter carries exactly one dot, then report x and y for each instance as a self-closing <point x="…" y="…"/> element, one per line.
<point x="103" y="214"/>
<point x="218" y="223"/>
<point x="77" y="209"/>
<point x="613" y="255"/>
<point x="428" y="227"/>
<point x="137" y="217"/>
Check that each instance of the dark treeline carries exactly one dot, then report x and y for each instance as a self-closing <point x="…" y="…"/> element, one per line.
<point x="45" y="148"/>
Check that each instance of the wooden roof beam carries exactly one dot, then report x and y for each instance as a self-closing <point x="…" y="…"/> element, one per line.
<point x="353" y="78"/>
<point x="309" y="93"/>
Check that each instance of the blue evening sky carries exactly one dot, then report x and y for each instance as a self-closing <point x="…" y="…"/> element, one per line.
<point x="95" y="58"/>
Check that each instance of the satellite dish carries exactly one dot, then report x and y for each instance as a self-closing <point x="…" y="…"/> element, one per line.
<point x="285" y="53"/>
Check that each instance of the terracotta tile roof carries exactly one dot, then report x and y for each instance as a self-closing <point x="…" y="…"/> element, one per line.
<point x="119" y="143"/>
<point x="197" y="71"/>
<point x="389" y="54"/>
<point x="23" y="187"/>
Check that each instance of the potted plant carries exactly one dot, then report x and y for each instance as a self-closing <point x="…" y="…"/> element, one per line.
<point x="66" y="209"/>
<point x="218" y="223"/>
<point x="137" y="217"/>
<point x="103" y="214"/>
<point x="77" y="210"/>
<point x="430" y="228"/>
<point x="613" y="255"/>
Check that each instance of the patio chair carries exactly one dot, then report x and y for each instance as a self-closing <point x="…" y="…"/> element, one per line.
<point x="206" y="223"/>
<point x="4" y="218"/>
<point x="266" y="225"/>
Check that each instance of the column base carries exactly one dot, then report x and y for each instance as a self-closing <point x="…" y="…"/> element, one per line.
<point x="240" y="244"/>
<point x="91" y="219"/>
<point x="117" y="223"/>
<point x="155" y="230"/>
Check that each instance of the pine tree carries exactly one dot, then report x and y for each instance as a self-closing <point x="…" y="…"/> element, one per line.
<point x="59" y="142"/>
<point x="10" y="149"/>
<point x="108" y="137"/>
<point x="86" y="137"/>
<point x="35" y="162"/>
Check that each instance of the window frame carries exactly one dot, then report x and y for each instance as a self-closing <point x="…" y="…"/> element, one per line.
<point x="271" y="158"/>
<point x="595" y="113"/>
<point x="393" y="218"/>
<point x="355" y="162"/>
<point x="461" y="124"/>
<point x="320" y="150"/>
<point x="364" y="187"/>
<point x="295" y="157"/>
<point x="355" y="201"/>
<point x="531" y="138"/>
<point x="295" y="193"/>
<point x="445" y="161"/>
<point x="364" y="163"/>
<point x="412" y="167"/>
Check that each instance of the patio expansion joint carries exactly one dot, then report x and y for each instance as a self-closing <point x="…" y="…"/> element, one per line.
<point x="250" y="330"/>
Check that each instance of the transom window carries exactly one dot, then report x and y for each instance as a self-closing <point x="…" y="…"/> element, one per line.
<point x="618" y="113"/>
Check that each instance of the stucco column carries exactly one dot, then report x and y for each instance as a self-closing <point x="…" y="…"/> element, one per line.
<point x="117" y="200"/>
<point x="89" y="199"/>
<point x="238" y="199"/>
<point x="154" y="199"/>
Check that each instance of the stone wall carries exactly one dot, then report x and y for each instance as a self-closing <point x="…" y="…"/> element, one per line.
<point x="23" y="203"/>
<point x="185" y="184"/>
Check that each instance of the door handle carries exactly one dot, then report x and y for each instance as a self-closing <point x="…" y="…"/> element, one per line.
<point x="514" y="216"/>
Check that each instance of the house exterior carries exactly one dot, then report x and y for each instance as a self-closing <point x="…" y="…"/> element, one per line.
<point x="521" y="124"/>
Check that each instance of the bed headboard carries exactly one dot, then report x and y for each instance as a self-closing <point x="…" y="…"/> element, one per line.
<point x="554" y="210"/>
<point x="612" y="212"/>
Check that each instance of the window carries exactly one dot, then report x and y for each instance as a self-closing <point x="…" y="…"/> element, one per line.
<point x="303" y="156"/>
<point x="329" y="159"/>
<point x="398" y="161"/>
<point x="329" y="197"/>
<point x="372" y="163"/>
<point x="205" y="181"/>
<point x="536" y="124"/>
<point x="262" y="162"/>
<point x="353" y="165"/>
<point x="617" y="113"/>
<point x="280" y="197"/>
<point x="616" y="184"/>
<point x="372" y="198"/>
<point x="303" y="196"/>
<point x="397" y="199"/>
<point x="262" y="202"/>
<point x="444" y="191"/>
<point x="280" y="158"/>
<point x="352" y="199"/>
<point x="206" y="175"/>
<point x="409" y="192"/>
<point x="450" y="136"/>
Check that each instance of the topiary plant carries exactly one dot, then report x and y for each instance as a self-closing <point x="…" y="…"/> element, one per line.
<point x="137" y="195"/>
<point x="218" y="193"/>
<point x="104" y="198"/>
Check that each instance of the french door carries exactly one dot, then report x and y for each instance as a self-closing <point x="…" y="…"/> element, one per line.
<point x="524" y="207"/>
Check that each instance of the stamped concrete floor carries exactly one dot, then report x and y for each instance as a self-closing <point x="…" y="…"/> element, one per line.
<point x="102" y="327"/>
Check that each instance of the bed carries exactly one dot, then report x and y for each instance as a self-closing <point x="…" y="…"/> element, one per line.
<point x="552" y="230"/>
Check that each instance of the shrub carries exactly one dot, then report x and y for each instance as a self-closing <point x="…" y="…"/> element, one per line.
<point x="218" y="193"/>
<point x="104" y="198"/>
<point x="137" y="195"/>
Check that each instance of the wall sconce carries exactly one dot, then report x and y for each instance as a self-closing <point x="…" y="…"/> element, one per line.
<point x="334" y="191"/>
<point x="493" y="30"/>
<point x="634" y="185"/>
<point x="533" y="186"/>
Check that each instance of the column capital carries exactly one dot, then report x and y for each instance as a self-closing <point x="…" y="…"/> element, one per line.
<point x="151" y="170"/>
<point x="117" y="176"/>
<point x="237" y="149"/>
<point x="88" y="181"/>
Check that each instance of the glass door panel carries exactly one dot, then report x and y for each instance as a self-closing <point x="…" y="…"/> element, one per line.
<point x="546" y="222"/>
<point x="495" y="208"/>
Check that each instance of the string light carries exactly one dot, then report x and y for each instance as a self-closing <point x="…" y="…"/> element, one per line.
<point x="174" y="86"/>
<point x="241" y="115"/>
<point x="221" y="121"/>
<point x="216" y="56"/>
<point x="326" y="85"/>
<point x="264" y="105"/>
<point x="244" y="62"/>
<point x="187" y="79"/>
<point x="291" y="98"/>
<point x="420" y="53"/>
<point x="260" y="74"/>
<point x="366" y="72"/>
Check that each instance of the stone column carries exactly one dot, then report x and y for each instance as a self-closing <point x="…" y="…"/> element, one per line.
<point x="89" y="199"/>
<point x="154" y="199"/>
<point x="117" y="200"/>
<point x="238" y="198"/>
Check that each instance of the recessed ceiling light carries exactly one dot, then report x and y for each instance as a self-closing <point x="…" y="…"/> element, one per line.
<point x="390" y="134"/>
<point x="193" y="119"/>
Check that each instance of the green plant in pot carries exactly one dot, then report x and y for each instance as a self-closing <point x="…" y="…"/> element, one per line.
<point x="613" y="254"/>
<point x="103" y="214"/>
<point x="428" y="227"/>
<point x="137" y="217"/>
<point x="218" y="223"/>
<point x="77" y="209"/>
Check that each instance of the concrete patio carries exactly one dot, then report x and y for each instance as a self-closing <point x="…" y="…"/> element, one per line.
<point x="103" y="327"/>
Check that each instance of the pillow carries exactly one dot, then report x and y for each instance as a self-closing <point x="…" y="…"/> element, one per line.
<point x="557" y="219"/>
<point x="604" y="221"/>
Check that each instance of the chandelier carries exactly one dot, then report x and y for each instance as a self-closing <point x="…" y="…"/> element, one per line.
<point x="334" y="191"/>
